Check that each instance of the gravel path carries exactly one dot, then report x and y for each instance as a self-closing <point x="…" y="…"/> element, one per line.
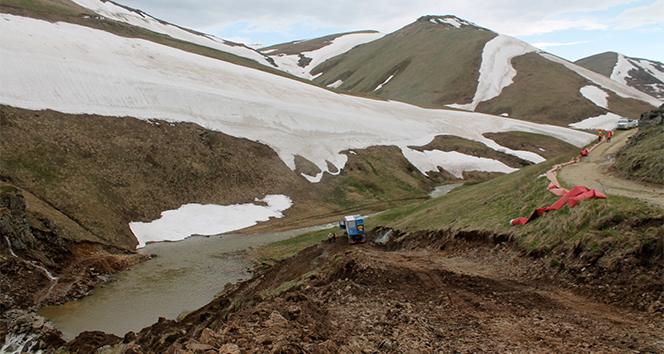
<point x="592" y="172"/>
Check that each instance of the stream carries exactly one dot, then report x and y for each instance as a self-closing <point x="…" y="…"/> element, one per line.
<point x="185" y="276"/>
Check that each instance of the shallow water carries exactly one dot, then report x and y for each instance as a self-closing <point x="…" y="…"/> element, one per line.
<point x="444" y="189"/>
<point x="185" y="276"/>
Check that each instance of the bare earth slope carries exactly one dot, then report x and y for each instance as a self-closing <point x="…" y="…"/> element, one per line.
<point x="592" y="172"/>
<point x="465" y="296"/>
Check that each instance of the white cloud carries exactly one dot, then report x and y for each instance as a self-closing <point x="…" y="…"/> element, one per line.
<point x="272" y="22"/>
<point x="544" y="45"/>
<point x="548" y="26"/>
<point x="642" y="16"/>
<point x="512" y="17"/>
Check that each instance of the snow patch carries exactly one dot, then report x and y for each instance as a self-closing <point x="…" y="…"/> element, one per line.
<point x="340" y="45"/>
<point x="451" y="20"/>
<point x="496" y="71"/>
<point x="618" y="88"/>
<point x="595" y="95"/>
<point x="197" y="219"/>
<point x="607" y="121"/>
<point x="336" y="84"/>
<point x="384" y="83"/>
<point x="453" y="162"/>
<point x="621" y="69"/>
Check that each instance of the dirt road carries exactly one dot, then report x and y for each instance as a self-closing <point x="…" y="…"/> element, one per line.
<point x="592" y="172"/>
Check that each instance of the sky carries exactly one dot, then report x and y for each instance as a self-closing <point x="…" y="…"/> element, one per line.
<point x="571" y="29"/>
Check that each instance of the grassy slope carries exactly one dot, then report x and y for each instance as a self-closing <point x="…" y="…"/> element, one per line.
<point x="426" y="59"/>
<point x="297" y="47"/>
<point x="643" y="157"/>
<point x="618" y="223"/>
<point x="104" y="172"/>
<point x="547" y="92"/>
<point x="600" y="63"/>
<point x="604" y="229"/>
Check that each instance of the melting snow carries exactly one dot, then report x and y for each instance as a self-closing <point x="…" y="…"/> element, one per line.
<point x="596" y="95"/>
<point x="607" y="121"/>
<point x="620" y="89"/>
<point x="336" y="84"/>
<point x="112" y="11"/>
<point x="384" y="83"/>
<point x="621" y="69"/>
<point x="79" y="70"/>
<point x="339" y="45"/>
<point x="451" y="20"/>
<point x="496" y="71"/>
<point x="197" y="219"/>
<point x="455" y="163"/>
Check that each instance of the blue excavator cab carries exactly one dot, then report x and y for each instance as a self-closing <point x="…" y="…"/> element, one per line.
<point x="354" y="226"/>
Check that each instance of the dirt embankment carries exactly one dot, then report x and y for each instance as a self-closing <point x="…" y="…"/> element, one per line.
<point x="431" y="292"/>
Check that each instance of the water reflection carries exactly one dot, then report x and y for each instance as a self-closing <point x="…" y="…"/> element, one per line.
<point x="185" y="276"/>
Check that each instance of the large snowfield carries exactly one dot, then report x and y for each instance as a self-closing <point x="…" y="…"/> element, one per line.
<point x="79" y="70"/>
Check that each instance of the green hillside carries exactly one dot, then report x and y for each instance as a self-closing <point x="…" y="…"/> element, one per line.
<point x="434" y="64"/>
<point x="425" y="60"/>
<point x="547" y="92"/>
<point x="600" y="63"/>
<point x="642" y="158"/>
<point x="297" y="47"/>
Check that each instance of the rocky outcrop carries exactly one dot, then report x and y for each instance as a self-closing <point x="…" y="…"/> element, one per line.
<point x="27" y="332"/>
<point x="13" y="219"/>
<point x="651" y="118"/>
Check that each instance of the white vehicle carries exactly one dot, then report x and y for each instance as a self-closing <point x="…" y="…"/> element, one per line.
<point x="624" y="123"/>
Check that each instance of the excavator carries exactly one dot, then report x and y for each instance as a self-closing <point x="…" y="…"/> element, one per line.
<point x="354" y="226"/>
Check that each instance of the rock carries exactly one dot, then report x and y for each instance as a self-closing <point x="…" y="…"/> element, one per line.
<point x="385" y="345"/>
<point x="651" y="118"/>
<point x="229" y="348"/>
<point x="276" y="319"/>
<point x="13" y="220"/>
<point x="210" y="337"/>
<point x="38" y="322"/>
<point x="129" y="337"/>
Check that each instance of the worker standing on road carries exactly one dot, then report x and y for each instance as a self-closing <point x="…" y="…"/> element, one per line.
<point x="334" y="238"/>
<point x="599" y="135"/>
<point x="329" y="238"/>
<point x="608" y="136"/>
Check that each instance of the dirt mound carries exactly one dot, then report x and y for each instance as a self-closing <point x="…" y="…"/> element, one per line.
<point x="439" y="292"/>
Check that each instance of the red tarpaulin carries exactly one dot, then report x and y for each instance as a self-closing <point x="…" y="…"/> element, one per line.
<point x="572" y="197"/>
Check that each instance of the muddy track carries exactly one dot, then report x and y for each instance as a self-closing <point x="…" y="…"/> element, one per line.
<point x="472" y="297"/>
<point x="593" y="172"/>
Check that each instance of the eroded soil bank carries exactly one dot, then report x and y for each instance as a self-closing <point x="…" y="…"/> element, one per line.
<point x="429" y="292"/>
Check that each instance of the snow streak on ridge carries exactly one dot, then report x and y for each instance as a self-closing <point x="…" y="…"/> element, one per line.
<point x="112" y="11"/>
<point x="496" y="71"/>
<point x="340" y="45"/>
<point x="620" y="89"/>
<point x="75" y="69"/>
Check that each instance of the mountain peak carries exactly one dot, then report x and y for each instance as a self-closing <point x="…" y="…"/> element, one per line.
<point x="446" y="20"/>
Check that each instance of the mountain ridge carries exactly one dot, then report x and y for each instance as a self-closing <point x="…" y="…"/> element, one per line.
<point x="645" y="75"/>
